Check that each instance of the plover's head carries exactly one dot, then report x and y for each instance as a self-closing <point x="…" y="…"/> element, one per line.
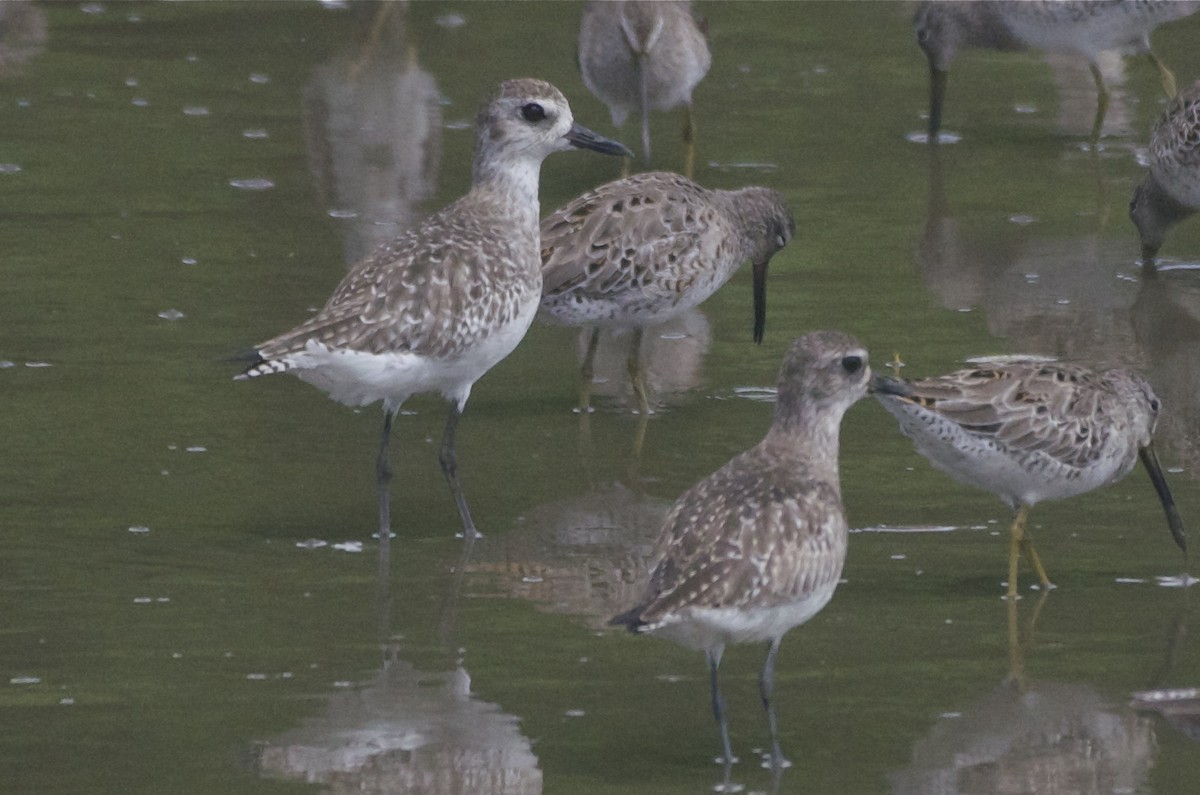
<point x="823" y="374"/>
<point x="531" y="118"/>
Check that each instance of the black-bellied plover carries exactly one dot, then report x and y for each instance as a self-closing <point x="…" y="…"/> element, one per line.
<point x="644" y="55"/>
<point x="641" y="250"/>
<point x="1171" y="191"/>
<point x="944" y="27"/>
<point x="757" y="547"/>
<point x="440" y="305"/>
<point x="1029" y="431"/>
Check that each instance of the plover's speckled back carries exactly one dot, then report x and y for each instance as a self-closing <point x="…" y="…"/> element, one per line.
<point x="437" y="307"/>
<point x="1171" y="191"/>
<point x="1032" y="431"/>
<point x="944" y="27"/>
<point x="641" y="250"/>
<point x="757" y="547"/>
<point x="643" y="55"/>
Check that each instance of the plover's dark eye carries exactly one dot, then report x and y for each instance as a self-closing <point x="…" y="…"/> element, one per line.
<point x="532" y="112"/>
<point x="1155" y="405"/>
<point x="852" y="364"/>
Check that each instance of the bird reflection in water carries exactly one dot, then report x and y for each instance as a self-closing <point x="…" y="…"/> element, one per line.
<point x="373" y="128"/>
<point x="1027" y="736"/>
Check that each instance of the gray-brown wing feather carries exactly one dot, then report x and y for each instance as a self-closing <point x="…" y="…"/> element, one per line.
<point x="1062" y="411"/>
<point x="713" y="552"/>
<point x="637" y="234"/>
<point x="433" y="291"/>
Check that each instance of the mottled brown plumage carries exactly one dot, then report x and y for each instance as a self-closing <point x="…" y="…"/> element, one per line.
<point x="642" y="250"/>
<point x="1029" y="431"/>
<point x="757" y="547"/>
<point x="1170" y="192"/>
<point x="440" y="305"/>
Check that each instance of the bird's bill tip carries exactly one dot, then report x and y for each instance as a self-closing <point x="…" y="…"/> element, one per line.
<point x="1174" y="521"/>
<point x="760" y="299"/>
<point x="888" y="385"/>
<point x="581" y="137"/>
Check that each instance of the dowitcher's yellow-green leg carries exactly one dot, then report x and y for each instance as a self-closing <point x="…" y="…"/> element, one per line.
<point x="1022" y="543"/>
<point x="1168" y="77"/>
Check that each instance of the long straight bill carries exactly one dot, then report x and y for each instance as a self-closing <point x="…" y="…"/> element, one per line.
<point x="1150" y="461"/>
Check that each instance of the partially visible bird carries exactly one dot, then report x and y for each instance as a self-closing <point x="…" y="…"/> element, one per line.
<point x="641" y="250"/>
<point x="437" y="307"/>
<point x="1087" y="28"/>
<point x="1029" y="431"/>
<point x="1170" y="192"/>
<point x="757" y="547"/>
<point x="644" y="55"/>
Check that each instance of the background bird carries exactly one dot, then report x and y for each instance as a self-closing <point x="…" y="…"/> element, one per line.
<point x="644" y="55"/>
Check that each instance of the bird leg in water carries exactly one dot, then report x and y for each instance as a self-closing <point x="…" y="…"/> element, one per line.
<point x="587" y="372"/>
<point x="1102" y="97"/>
<point x="1168" y="77"/>
<point x="450" y="470"/>
<point x="1020" y="544"/>
<point x="383" y="477"/>
<point x="766" y="686"/>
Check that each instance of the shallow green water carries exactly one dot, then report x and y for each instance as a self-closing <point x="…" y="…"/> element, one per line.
<point x="167" y="627"/>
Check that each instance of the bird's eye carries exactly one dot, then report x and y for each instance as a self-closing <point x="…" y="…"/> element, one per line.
<point x="1155" y="406"/>
<point x="780" y="241"/>
<point x="922" y="35"/>
<point x="852" y="364"/>
<point x="533" y="112"/>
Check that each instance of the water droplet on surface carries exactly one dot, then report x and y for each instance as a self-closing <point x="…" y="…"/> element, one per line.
<point x="139" y="529"/>
<point x="256" y="677"/>
<point x="9" y="168"/>
<point x="196" y="449"/>
<point x="92" y="8"/>
<point x="38" y="365"/>
<point x="142" y="600"/>
<point x="343" y="213"/>
<point x="574" y="713"/>
<point x="25" y="680"/>
<point x="140" y="102"/>
<point x="195" y="110"/>
<point x="349" y="546"/>
<point x="532" y="580"/>
<point x="1021" y="219"/>
<point x="189" y="260"/>
<point x="5" y="364"/>
<point x="66" y="701"/>
<point x="171" y="314"/>
<point x="255" y="135"/>
<point x="1129" y="580"/>
<point x="343" y="683"/>
<point x="459" y="125"/>
<point x="1025" y="108"/>
<point x="312" y="543"/>
<point x="1177" y="581"/>
<point x="942" y="138"/>
<point x="258" y="77"/>
<point x="450" y="21"/>
<point x="760" y="394"/>
<point x="257" y="183"/>
<point x="131" y="82"/>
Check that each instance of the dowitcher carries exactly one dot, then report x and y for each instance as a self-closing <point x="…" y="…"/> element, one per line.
<point x="1030" y="431"/>
<point x="437" y="307"/>
<point x="644" y="55"/>
<point x="1171" y="191"/>
<point x="641" y="250"/>
<point x="757" y="547"/>
<point x="943" y="27"/>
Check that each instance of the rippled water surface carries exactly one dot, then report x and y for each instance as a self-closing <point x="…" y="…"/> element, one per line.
<point x="188" y="581"/>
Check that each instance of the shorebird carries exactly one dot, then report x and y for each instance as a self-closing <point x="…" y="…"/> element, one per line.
<point x="943" y="27"/>
<point x="757" y="547"/>
<point x="641" y="250"/>
<point x="1029" y="431"/>
<point x="644" y="55"/>
<point x="437" y="307"/>
<point x="1171" y="191"/>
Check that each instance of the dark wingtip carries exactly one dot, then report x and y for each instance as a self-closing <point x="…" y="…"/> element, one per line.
<point x="631" y="620"/>
<point x="249" y="356"/>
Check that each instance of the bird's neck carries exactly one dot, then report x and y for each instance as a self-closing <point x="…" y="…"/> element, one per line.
<point x="510" y="184"/>
<point x="807" y="442"/>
